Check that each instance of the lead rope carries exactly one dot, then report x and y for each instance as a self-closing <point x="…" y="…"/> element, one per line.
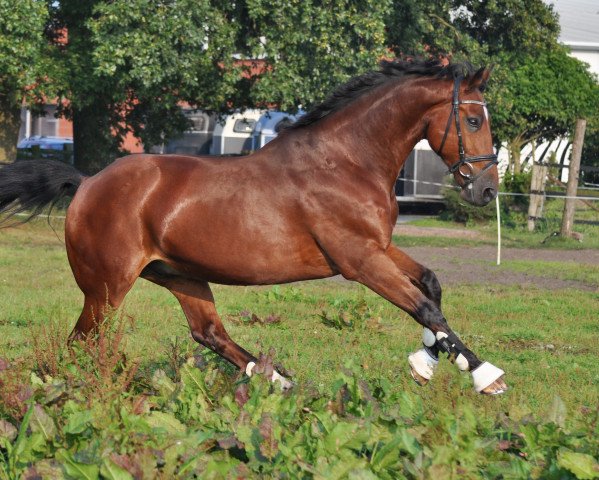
<point x="498" y="230"/>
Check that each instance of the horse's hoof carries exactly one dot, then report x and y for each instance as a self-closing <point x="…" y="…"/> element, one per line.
<point x="283" y="382"/>
<point x="422" y="366"/>
<point x="420" y="380"/>
<point x="496" y="388"/>
<point x="488" y="379"/>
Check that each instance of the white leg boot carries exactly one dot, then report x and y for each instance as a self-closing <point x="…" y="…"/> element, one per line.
<point x="484" y="376"/>
<point x="422" y="365"/>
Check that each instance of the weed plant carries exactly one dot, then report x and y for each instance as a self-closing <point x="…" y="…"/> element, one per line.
<point x="207" y="423"/>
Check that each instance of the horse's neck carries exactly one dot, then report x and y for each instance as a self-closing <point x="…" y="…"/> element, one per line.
<point x="378" y="131"/>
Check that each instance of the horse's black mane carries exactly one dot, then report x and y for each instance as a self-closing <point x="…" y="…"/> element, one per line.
<point x="390" y="70"/>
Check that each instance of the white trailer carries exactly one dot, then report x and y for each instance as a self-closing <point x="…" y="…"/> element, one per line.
<point x="422" y="177"/>
<point x="233" y="134"/>
<point x="198" y="139"/>
<point x="269" y="125"/>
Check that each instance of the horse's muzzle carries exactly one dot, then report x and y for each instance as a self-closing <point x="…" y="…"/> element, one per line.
<point x="480" y="192"/>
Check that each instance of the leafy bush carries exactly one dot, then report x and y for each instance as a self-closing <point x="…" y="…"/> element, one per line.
<point x="352" y="314"/>
<point x="459" y="210"/>
<point x="208" y="424"/>
<point x="516" y="183"/>
<point x="513" y="208"/>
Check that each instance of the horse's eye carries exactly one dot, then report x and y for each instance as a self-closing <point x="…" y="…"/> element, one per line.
<point x="474" y="122"/>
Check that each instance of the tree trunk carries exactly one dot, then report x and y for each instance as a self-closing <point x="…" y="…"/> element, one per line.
<point x="95" y="145"/>
<point x="10" y="123"/>
<point x="514" y="149"/>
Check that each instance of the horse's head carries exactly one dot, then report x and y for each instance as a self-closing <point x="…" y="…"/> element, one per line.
<point x="464" y="139"/>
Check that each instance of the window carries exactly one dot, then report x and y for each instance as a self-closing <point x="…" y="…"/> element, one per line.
<point x="197" y="119"/>
<point x="244" y="125"/>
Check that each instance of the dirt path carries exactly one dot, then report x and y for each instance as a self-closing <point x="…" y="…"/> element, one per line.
<point x="460" y="264"/>
<point x="463" y="265"/>
<point x="414" y="231"/>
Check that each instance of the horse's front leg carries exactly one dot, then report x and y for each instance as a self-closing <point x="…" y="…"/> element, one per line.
<point x="424" y="278"/>
<point x="424" y="361"/>
<point x="382" y="271"/>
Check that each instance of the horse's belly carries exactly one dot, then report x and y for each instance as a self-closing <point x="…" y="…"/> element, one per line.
<point x="250" y="261"/>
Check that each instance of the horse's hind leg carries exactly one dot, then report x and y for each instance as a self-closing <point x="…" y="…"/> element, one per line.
<point x="206" y="327"/>
<point x="104" y="272"/>
<point x="98" y="299"/>
<point x="378" y="270"/>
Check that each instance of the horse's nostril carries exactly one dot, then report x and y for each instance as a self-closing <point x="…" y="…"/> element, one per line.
<point x="489" y="194"/>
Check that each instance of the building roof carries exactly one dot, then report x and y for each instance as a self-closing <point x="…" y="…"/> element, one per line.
<point x="579" y="22"/>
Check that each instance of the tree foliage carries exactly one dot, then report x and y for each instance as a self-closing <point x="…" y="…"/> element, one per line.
<point x="541" y="97"/>
<point x="507" y="26"/>
<point x="24" y="68"/>
<point x="428" y="28"/>
<point x="311" y="47"/>
<point x="156" y="55"/>
<point x="537" y="90"/>
<point x="128" y="65"/>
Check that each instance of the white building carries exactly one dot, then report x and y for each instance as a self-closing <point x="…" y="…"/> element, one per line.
<point x="579" y="30"/>
<point x="579" y="22"/>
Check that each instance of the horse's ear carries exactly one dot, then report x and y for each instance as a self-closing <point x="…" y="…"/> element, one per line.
<point x="479" y="80"/>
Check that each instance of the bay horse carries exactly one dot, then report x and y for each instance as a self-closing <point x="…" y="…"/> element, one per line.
<point x="315" y="202"/>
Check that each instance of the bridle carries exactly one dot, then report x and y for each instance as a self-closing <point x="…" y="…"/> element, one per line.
<point x="465" y="161"/>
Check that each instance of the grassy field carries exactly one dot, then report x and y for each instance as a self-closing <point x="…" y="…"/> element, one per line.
<point x="327" y="333"/>
<point x="515" y="232"/>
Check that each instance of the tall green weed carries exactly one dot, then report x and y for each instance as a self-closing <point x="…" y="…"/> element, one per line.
<point x="210" y="424"/>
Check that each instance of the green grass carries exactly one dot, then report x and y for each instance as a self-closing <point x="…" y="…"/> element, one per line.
<point x="514" y="230"/>
<point x="544" y="340"/>
<point x="437" y="241"/>
<point x="561" y="270"/>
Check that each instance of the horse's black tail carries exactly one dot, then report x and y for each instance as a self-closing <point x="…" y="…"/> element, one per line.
<point x="30" y="185"/>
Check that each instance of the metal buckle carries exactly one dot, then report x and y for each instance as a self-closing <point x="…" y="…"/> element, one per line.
<point x="470" y="173"/>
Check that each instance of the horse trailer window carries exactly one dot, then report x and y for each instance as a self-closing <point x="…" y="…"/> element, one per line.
<point x="244" y="125"/>
<point x="198" y="121"/>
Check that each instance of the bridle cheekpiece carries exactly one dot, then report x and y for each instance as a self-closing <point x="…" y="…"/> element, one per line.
<point x="465" y="161"/>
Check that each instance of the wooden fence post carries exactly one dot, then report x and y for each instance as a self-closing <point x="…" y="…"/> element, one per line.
<point x="537" y="193"/>
<point x="574" y="171"/>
